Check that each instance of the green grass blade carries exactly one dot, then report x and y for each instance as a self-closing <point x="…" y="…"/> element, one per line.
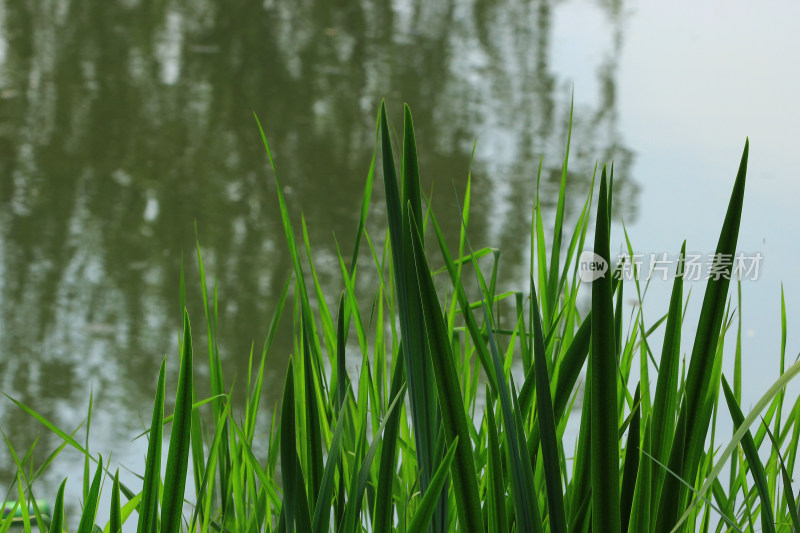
<point x="291" y="242"/>
<point x="630" y="472"/>
<point x="86" y="444"/>
<point x="418" y="363"/>
<point x="214" y="363"/>
<point x="365" y="199"/>
<point x="148" y="511"/>
<point x="580" y="508"/>
<point x="773" y="472"/>
<point x="342" y="380"/>
<point x="342" y="383"/>
<point x="547" y="426"/>
<point x="315" y="464"/>
<point x="50" y="426"/>
<point x="322" y="305"/>
<point x="351" y="304"/>
<point x="665" y="403"/>
<point x="197" y="445"/>
<point x="527" y="473"/>
<point x="359" y="482"/>
<point x="421" y="384"/>
<point x="793" y="444"/>
<point x="322" y="510"/>
<point x="728" y="520"/>
<point x="23" y="504"/>
<point x="469" y="318"/>
<point x="302" y="512"/>
<point x="57" y="520"/>
<point x="90" y="506"/>
<point x="723" y="457"/>
<point x="702" y="361"/>
<point x="569" y="370"/>
<point x="787" y="484"/>
<point x="552" y="284"/>
<point x="465" y="480"/>
<point x="410" y="194"/>
<point x="753" y="461"/>
<point x="288" y="449"/>
<point x="578" y="239"/>
<point x="640" y="509"/>
<point x="207" y="481"/>
<point x="180" y="438"/>
<point x="604" y="439"/>
<point x="498" y="519"/>
<point x="357" y="445"/>
<point x="527" y="516"/>
<point x="422" y="518"/>
<point x="126" y="510"/>
<point x="386" y="471"/>
<point x="115" y="519"/>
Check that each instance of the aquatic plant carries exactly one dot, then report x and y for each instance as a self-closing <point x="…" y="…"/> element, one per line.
<point x="436" y="432"/>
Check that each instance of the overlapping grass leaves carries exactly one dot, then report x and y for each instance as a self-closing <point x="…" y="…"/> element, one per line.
<point x="347" y="455"/>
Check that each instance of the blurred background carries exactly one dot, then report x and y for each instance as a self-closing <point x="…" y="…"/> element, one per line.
<point x="124" y="123"/>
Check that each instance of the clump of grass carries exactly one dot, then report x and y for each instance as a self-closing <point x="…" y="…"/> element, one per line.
<point x="407" y="445"/>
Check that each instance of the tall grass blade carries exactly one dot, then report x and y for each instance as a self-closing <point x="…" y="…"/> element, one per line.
<point x="359" y="482"/>
<point x="386" y="471"/>
<point x="315" y="465"/>
<point x="701" y="366"/>
<point x="640" y="510"/>
<point x="86" y="444"/>
<point x="553" y="282"/>
<point x="342" y="383"/>
<point x="23" y="504"/>
<point x="148" y="510"/>
<point x="787" y="484"/>
<point x="666" y="396"/>
<point x="454" y="418"/>
<point x="466" y="310"/>
<point x="753" y="461"/>
<point x="302" y="514"/>
<point x="580" y="506"/>
<point x="322" y="511"/>
<point x="365" y="199"/>
<point x="630" y="472"/>
<point x="603" y="393"/>
<point x="496" y="501"/>
<point x="288" y="450"/>
<point x="722" y="458"/>
<point x="547" y="426"/>
<point x="57" y="520"/>
<point x="419" y="364"/>
<point x="90" y="506"/>
<point x="422" y="518"/>
<point x="342" y="380"/>
<point x="527" y="516"/>
<point x="180" y="438"/>
<point x="421" y="388"/>
<point x="115" y="518"/>
<point x="729" y="520"/>
<point x="207" y="481"/>
<point x="569" y="370"/>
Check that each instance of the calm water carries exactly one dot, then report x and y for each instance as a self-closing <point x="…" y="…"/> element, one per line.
<point x="124" y="124"/>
